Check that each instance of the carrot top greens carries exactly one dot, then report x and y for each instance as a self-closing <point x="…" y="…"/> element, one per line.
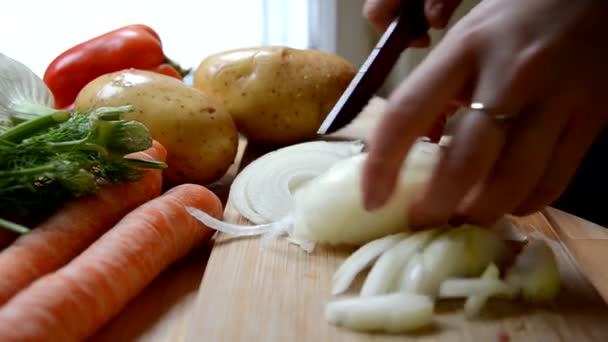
<point x="52" y="158"/>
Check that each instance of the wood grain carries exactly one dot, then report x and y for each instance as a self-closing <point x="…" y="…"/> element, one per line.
<point x="587" y="242"/>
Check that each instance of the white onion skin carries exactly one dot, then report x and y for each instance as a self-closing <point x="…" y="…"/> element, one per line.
<point x="329" y="209"/>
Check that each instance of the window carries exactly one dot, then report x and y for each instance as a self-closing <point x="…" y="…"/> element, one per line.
<point x="36" y="31"/>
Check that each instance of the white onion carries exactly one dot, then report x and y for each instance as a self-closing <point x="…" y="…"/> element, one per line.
<point x="393" y="313"/>
<point x="330" y="208"/>
<point x="361" y="259"/>
<point x="384" y="276"/>
<point x="412" y="276"/>
<point x="474" y="303"/>
<point x="477" y="290"/>
<point x="263" y="190"/>
<point x="327" y="206"/>
<point x="535" y="272"/>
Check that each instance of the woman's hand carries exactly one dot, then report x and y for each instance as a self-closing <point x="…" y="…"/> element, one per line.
<point x="382" y="12"/>
<point x="544" y="62"/>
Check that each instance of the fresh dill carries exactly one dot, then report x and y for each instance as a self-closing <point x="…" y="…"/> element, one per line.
<point x="57" y="157"/>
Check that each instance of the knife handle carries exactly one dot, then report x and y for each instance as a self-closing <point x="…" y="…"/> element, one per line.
<point x="409" y="26"/>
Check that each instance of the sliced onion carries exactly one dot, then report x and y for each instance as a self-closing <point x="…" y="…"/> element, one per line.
<point x="384" y="275"/>
<point x="270" y="231"/>
<point x="412" y="276"/>
<point x="444" y="257"/>
<point x="474" y="303"/>
<point x="466" y="287"/>
<point x="233" y="228"/>
<point x="392" y="313"/>
<point x="477" y="290"/>
<point x="262" y="192"/>
<point x="535" y="272"/>
<point x="361" y="259"/>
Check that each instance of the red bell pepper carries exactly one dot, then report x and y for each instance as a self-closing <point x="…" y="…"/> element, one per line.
<point x="134" y="46"/>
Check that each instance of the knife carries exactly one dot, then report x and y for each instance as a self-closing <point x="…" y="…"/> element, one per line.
<point x="410" y="25"/>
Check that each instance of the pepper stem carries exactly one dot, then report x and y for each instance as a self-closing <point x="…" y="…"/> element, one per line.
<point x="177" y="67"/>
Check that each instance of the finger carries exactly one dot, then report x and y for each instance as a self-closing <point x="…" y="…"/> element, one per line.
<point x="565" y="160"/>
<point x="421" y="42"/>
<point x="411" y="110"/>
<point x="475" y="148"/>
<point x="439" y="12"/>
<point x="437" y="129"/>
<point x="458" y="170"/>
<point x="381" y="12"/>
<point x="530" y="143"/>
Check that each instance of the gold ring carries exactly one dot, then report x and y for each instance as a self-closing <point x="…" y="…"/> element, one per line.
<point x="496" y="115"/>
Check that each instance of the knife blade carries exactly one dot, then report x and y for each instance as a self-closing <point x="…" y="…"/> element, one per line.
<point x="408" y="26"/>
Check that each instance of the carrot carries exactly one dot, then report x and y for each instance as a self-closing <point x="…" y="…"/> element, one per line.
<point x="70" y="230"/>
<point x="75" y="301"/>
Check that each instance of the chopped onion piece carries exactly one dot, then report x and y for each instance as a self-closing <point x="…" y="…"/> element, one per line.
<point x="466" y="287"/>
<point x="262" y="192"/>
<point x="230" y="228"/>
<point x="412" y="275"/>
<point x="477" y="290"/>
<point x="384" y="275"/>
<point x="482" y="247"/>
<point x="474" y="303"/>
<point x="392" y="313"/>
<point x="535" y="272"/>
<point x="361" y="259"/>
<point x="444" y="257"/>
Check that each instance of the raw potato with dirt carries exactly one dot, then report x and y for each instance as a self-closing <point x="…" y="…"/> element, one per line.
<point x="198" y="133"/>
<point x="276" y="95"/>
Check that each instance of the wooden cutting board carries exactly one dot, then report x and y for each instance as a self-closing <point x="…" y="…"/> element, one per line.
<point x="278" y="293"/>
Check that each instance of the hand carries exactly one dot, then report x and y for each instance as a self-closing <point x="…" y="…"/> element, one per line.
<point x="543" y="61"/>
<point x="382" y="12"/>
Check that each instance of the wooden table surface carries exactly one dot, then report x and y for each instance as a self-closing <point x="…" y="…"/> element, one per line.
<point x="167" y="310"/>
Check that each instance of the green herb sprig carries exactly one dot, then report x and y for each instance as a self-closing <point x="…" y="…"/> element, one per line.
<point x="50" y="159"/>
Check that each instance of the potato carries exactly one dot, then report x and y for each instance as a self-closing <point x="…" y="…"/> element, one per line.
<point x="200" y="136"/>
<point x="276" y="95"/>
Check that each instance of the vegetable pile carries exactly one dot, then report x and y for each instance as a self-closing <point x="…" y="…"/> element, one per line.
<point x="48" y="157"/>
<point x="198" y="133"/>
<point x="410" y="271"/>
<point x="83" y="189"/>
<point x="84" y="222"/>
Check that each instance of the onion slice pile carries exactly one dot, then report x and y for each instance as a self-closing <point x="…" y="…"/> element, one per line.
<point x="410" y="272"/>
<point x="263" y="191"/>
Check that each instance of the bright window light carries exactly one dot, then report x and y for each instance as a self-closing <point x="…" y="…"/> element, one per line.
<point x="36" y="31"/>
